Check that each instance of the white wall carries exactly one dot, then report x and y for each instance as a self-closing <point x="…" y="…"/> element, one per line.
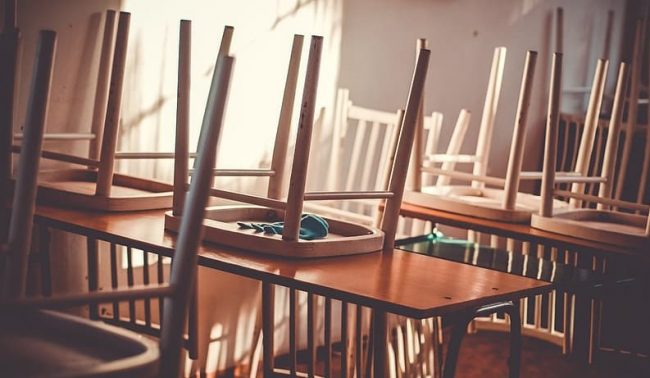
<point x="378" y="49"/>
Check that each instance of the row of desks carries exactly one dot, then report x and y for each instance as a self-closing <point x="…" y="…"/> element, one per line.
<point x="399" y="282"/>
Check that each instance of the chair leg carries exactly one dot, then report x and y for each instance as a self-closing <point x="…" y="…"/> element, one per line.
<point x="515" y="340"/>
<point x="457" y="333"/>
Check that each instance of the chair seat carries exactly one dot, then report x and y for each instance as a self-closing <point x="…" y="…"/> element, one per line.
<point x="609" y="227"/>
<point x="221" y="227"/>
<point x="52" y="344"/>
<point x="484" y="203"/>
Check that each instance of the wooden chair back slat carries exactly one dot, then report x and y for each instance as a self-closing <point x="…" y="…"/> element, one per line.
<point x="455" y="143"/>
<point x="363" y="140"/>
<point x="20" y="225"/>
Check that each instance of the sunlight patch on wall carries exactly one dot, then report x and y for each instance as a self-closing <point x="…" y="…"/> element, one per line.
<point x="261" y="45"/>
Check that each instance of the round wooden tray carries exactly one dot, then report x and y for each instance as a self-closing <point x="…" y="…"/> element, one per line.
<point x="609" y="227"/>
<point x="344" y="238"/>
<point x="480" y="203"/>
<point x="76" y="188"/>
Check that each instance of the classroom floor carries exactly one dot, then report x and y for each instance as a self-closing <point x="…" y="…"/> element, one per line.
<point x="484" y="354"/>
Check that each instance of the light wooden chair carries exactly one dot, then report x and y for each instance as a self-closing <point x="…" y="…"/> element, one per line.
<point x="97" y="186"/>
<point x="344" y="237"/>
<point x="502" y="200"/>
<point x="603" y="224"/>
<point x="79" y="347"/>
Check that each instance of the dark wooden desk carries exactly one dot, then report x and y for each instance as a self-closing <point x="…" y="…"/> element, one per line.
<point x="398" y="282"/>
<point x="521" y="232"/>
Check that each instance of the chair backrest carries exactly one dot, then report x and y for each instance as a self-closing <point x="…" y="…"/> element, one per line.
<point x="359" y="158"/>
<point x="20" y="225"/>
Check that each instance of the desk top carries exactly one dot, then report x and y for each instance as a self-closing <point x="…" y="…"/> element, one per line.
<point x="516" y="231"/>
<point x="399" y="282"/>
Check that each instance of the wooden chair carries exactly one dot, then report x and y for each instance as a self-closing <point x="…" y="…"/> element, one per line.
<point x="97" y="186"/>
<point x="602" y="224"/>
<point x="79" y="347"/>
<point x="505" y="202"/>
<point x="344" y="237"/>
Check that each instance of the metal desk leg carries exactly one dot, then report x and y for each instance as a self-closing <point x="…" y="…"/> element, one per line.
<point x="460" y="328"/>
<point x="268" y="323"/>
<point x="379" y="343"/>
<point x="93" y="273"/>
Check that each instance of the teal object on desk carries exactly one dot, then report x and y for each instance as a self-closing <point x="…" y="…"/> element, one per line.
<point x="311" y="227"/>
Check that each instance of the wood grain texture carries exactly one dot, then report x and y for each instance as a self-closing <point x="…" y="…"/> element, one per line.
<point x="103" y="79"/>
<point x="278" y="161"/>
<point x="591" y="122"/>
<point x="181" y="143"/>
<point x="489" y="113"/>
<point x="343" y="238"/>
<point x="113" y="108"/>
<point x="375" y="279"/>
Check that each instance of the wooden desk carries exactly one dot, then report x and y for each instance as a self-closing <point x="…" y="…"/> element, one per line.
<point x="521" y="232"/>
<point x="398" y="282"/>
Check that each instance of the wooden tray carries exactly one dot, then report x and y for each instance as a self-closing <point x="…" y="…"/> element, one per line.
<point x="221" y="227"/>
<point x="480" y="203"/>
<point x="603" y="226"/>
<point x="76" y="188"/>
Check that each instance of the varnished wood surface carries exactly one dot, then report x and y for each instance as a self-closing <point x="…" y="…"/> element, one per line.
<point x="398" y="281"/>
<point x="518" y="231"/>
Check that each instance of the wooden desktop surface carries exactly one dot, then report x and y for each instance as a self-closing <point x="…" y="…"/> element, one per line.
<point x="399" y="282"/>
<point x="521" y="232"/>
